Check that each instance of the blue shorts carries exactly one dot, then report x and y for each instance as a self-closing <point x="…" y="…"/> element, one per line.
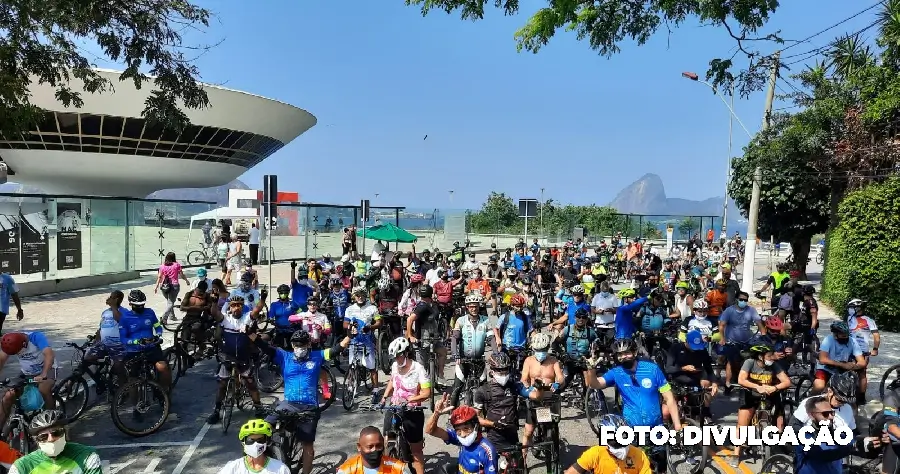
<point x="100" y="350"/>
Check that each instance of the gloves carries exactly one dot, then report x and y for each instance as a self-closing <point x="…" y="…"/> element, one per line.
<point x="554" y="387"/>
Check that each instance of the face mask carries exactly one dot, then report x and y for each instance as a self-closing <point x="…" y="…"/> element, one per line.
<point x="742" y="304"/>
<point x="468" y="440"/>
<point x="301" y="352"/>
<point x="851" y="312"/>
<point x="628" y="364"/>
<point x="53" y="448"/>
<point x="769" y="363"/>
<point x="700" y="316"/>
<point x="540" y="356"/>
<point x="619" y="453"/>
<point x="405" y="361"/>
<point x="255" y="450"/>
<point x="372" y="458"/>
<point x="501" y="379"/>
<point x="604" y="294"/>
<point x="360" y="303"/>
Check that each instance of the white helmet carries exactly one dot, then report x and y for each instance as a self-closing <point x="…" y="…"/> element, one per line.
<point x="360" y="290"/>
<point x="577" y="290"/>
<point x="474" y="298"/>
<point x="540" y="341"/>
<point x="398" y="346"/>
<point x="327" y="255"/>
<point x="855" y="303"/>
<point x="383" y="283"/>
<point x="700" y="304"/>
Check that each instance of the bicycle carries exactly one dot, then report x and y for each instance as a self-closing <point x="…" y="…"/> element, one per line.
<point x="510" y="459"/>
<point x="206" y="254"/>
<point x="430" y="344"/>
<point x="15" y="432"/>
<point x="357" y="373"/>
<point x="386" y="335"/>
<point x="690" y="401"/>
<point x="475" y="371"/>
<point x="777" y="464"/>
<point x="546" y="441"/>
<point x="396" y="445"/>
<point x="236" y="393"/>
<point x="285" y="446"/>
<point x="142" y="394"/>
<point x="762" y="418"/>
<point x="74" y="390"/>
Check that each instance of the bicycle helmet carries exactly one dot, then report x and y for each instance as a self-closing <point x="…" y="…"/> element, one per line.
<point x="426" y="291"/>
<point x="300" y="338"/>
<point x="493" y="246"/>
<point x="475" y="298"/>
<point x="855" y="303"/>
<point x="517" y="300"/>
<point x="627" y="293"/>
<point x="137" y="298"/>
<point x="13" y="342"/>
<point x="383" y="283"/>
<point x="463" y="415"/>
<point x="247" y="277"/>
<point x="236" y="299"/>
<point x="624" y="345"/>
<point x="398" y="346"/>
<point x="759" y="350"/>
<point x="360" y="290"/>
<point x="701" y="305"/>
<point x="283" y="289"/>
<point x="613" y="421"/>
<point x="540" y="341"/>
<point x="255" y="427"/>
<point x="681" y="285"/>
<point x="809" y="290"/>
<point x="417" y="278"/>
<point x="46" y="419"/>
<point x="499" y="361"/>
<point x="775" y="324"/>
<point x="313" y="301"/>
<point x="843" y="386"/>
<point x="840" y="327"/>
<point x="577" y="290"/>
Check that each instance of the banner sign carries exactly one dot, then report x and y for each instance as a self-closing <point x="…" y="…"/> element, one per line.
<point x="68" y="235"/>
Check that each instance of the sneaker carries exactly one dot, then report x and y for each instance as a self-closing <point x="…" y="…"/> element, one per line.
<point x="213" y="418"/>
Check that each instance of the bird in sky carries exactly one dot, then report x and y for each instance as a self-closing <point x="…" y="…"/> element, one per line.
<point x="426" y="137"/>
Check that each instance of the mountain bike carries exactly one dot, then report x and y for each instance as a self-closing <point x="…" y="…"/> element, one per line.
<point x="690" y="401"/>
<point x="236" y="393"/>
<point x="285" y="446"/>
<point x="396" y="445"/>
<point x="74" y="390"/>
<point x="356" y="374"/>
<point x="545" y="441"/>
<point x="140" y="396"/>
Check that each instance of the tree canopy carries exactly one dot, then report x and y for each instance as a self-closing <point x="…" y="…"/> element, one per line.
<point x="39" y="41"/>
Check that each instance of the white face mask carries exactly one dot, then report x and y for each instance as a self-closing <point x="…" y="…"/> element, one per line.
<point x="468" y="440"/>
<point x="255" y="450"/>
<point x="501" y="379"/>
<point x="301" y="352"/>
<point x="405" y="361"/>
<point x="53" y="448"/>
<point x="769" y="362"/>
<point x="619" y="453"/>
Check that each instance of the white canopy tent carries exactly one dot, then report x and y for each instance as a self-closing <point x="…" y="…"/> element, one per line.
<point x="221" y="213"/>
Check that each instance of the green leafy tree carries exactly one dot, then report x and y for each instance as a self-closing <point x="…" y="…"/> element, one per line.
<point x="605" y="25"/>
<point x="652" y="231"/>
<point x="39" y="41"/>
<point x="498" y="214"/>
<point x="688" y="226"/>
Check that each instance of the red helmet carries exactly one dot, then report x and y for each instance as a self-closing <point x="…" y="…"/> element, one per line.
<point x="775" y="324"/>
<point x="794" y="274"/>
<point x="13" y="343"/>
<point x="463" y="415"/>
<point x="517" y="300"/>
<point x="417" y="278"/>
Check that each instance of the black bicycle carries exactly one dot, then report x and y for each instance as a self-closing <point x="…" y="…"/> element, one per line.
<point x="141" y="397"/>
<point x="386" y="335"/>
<point x="545" y="441"/>
<point x="15" y="432"/>
<point x="474" y="368"/>
<point x="690" y="401"/>
<point x="396" y="444"/>
<point x="285" y="446"/>
<point x="74" y="390"/>
<point x="357" y="374"/>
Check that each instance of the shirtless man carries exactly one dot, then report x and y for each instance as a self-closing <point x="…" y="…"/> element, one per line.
<point x="540" y="366"/>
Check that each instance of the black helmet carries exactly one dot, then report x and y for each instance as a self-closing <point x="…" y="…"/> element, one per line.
<point x="809" y="290"/>
<point x="582" y="313"/>
<point x="313" y="300"/>
<point x="844" y="386"/>
<point x="283" y="289"/>
<point x="499" y="361"/>
<point x="46" y="419"/>
<point x="493" y="246"/>
<point x="425" y="291"/>
<point x="624" y="345"/>
<point x="137" y="298"/>
<point x="247" y="277"/>
<point x="300" y="337"/>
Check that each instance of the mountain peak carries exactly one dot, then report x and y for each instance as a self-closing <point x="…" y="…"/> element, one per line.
<point x="647" y="195"/>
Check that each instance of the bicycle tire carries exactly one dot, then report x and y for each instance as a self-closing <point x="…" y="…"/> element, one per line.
<point x="135" y="385"/>
<point x="768" y="466"/>
<point x="74" y="385"/>
<point x="432" y="370"/>
<point x="175" y="362"/>
<point x="268" y="377"/>
<point x="278" y="454"/>
<point x="799" y="392"/>
<point x="350" y="386"/>
<point x="820" y="258"/>
<point x="885" y="385"/>
<point x="595" y="404"/>
<point x="332" y="382"/>
<point x="384" y="359"/>
<point x="196" y="257"/>
<point x="553" y="461"/>
<point x="18" y="439"/>
<point x="705" y="453"/>
<point x="228" y="404"/>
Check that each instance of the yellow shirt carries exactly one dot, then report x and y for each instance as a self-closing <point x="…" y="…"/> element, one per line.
<point x="598" y="460"/>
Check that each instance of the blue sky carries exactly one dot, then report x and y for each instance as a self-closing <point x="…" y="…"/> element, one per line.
<point x="379" y="77"/>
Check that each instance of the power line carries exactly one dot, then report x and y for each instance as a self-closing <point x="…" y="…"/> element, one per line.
<point x="845" y="20"/>
<point x="813" y="52"/>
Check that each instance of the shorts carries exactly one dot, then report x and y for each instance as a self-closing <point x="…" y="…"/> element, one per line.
<point x="245" y="368"/>
<point x="152" y="355"/>
<point x="732" y="352"/>
<point x="234" y="263"/>
<point x="223" y="265"/>
<point x="413" y="425"/>
<point x="304" y="431"/>
<point x="100" y="350"/>
<point x="503" y="439"/>
<point x="749" y="401"/>
<point x="367" y="356"/>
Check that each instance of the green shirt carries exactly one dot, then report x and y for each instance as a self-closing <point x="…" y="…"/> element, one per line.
<point x="74" y="459"/>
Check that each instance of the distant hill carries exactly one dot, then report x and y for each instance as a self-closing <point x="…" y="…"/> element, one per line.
<point x="218" y="194"/>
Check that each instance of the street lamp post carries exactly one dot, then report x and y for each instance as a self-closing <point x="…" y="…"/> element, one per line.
<point x="542" y="217"/>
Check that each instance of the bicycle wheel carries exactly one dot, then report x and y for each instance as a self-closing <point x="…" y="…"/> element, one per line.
<point x="777" y="464"/>
<point x="804" y="385"/>
<point x="381" y="351"/>
<point x="268" y="376"/>
<point x="74" y="393"/>
<point x="196" y="257"/>
<point x="595" y="406"/>
<point x="890" y="380"/>
<point x="553" y="463"/>
<point x="174" y="359"/>
<point x="324" y="403"/>
<point x="432" y="370"/>
<point x="228" y="404"/>
<point x="77" y="357"/>
<point x="694" y="458"/>
<point x="151" y="401"/>
<point x="350" y="386"/>
<point x="276" y="452"/>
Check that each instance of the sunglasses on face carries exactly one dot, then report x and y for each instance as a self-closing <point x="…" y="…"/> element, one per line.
<point x="250" y="440"/>
<point x="45" y="436"/>
<point x="742" y="299"/>
<point x="826" y="413"/>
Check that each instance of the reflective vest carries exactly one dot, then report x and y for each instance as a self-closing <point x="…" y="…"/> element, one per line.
<point x="388" y="465"/>
<point x="779" y="278"/>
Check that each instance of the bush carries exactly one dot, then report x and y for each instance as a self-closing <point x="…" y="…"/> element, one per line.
<point x="863" y="259"/>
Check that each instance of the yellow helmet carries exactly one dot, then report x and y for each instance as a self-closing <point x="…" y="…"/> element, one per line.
<point x="255" y="427"/>
<point x="627" y="293"/>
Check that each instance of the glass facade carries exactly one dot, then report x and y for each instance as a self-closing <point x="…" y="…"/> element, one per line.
<point x="89" y="133"/>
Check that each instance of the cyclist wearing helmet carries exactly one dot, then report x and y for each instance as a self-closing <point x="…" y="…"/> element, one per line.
<point x="690" y="365"/>
<point x="472" y="332"/>
<point x="840" y="392"/>
<point x="735" y="332"/>
<point x="539" y="369"/>
<point x="365" y="319"/>
<point x="865" y="331"/>
<point x="775" y="338"/>
<point x="340" y="301"/>
<point x="409" y="384"/>
<point x="497" y="402"/>
<point x="245" y="290"/>
<point x="301" y="285"/>
<point x="410" y="298"/>
<point x="108" y="340"/>
<point x="141" y="332"/>
<point x="370" y="456"/>
<point x="36" y="361"/>
<point x="776" y="281"/>
<point x="763" y="379"/>
<point x="838" y="353"/>
<point x="476" y="453"/>
<point x="576" y="340"/>
<point x="613" y="458"/>
<point x="423" y="324"/>
<point x="625" y="313"/>
<point x="255" y="437"/>
<point x="235" y="347"/>
<point x="683" y="301"/>
<point x="578" y="303"/>
<point x="806" y="321"/>
<point x="280" y="312"/>
<point x="300" y="369"/>
<point x="513" y="327"/>
<point x="640" y="383"/>
<point x="55" y="454"/>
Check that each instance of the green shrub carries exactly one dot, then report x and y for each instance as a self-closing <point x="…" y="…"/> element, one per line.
<point x="863" y="259"/>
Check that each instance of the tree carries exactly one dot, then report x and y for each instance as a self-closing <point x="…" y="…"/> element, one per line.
<point x="651" y="230"/>
<point x="607" y="24"/>
<point x="39" y="40"/>
<point x="498" y="214"/>
<point x="687" y="226"/>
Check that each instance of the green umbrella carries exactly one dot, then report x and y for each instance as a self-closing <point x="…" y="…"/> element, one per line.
<point x="387" y="232"/>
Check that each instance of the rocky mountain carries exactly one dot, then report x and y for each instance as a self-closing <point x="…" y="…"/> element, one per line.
<point x="218" y="194"/>
<point x="647" y="196"/>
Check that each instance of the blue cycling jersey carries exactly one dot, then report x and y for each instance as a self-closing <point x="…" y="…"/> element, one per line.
<point x="514" y="329"/>
<point x="301" y="377"/>
<point x="578" y="341"/>
<point x="519" y="261"/>
<point x="640" y="391"/>
<point x="625" y="318"/>
<point x="573" y="306"/>
<point x="340" y="301"/>
<point x="280" y="311"/>
<point x="479" y="457"/>
<point x="300" y="293"/>
<point x="134" y="326"/>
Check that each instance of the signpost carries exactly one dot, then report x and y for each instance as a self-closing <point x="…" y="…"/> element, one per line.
<point x="270" y="215"/>
<point x="527" y="209"/>
<point x="364" y="205"/>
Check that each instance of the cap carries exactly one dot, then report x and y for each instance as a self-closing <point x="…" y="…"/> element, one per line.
<point x="695" y="340"/>
<point x="201" y="273"/>
<point x="726" y="266"/>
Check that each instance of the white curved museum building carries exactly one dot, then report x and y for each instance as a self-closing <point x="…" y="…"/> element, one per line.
<point x="105" y="148"/>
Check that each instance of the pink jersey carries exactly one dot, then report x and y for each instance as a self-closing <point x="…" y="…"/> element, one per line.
<point x="409" y="384"/>
<point x="316" y="324"/>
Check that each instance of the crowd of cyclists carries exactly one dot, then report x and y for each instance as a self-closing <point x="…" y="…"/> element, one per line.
<point x="676" y="333"/>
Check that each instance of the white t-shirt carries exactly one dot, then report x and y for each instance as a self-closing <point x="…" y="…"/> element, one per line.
<point x="109" y="329"/>
<point x="843" y="415"/>
<point x="408" y="385"/>
<point x="861" y="329"/>
<point x="239" y="466"/>
<point x="600" y="303"/>
<point x="431" y="276"/>
<point x="254" y="236"/>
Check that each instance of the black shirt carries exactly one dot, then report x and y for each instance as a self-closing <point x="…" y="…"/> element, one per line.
<point x="426" y="314"/>
<point x="497" y="403"/>
<point x="680" y="355"/>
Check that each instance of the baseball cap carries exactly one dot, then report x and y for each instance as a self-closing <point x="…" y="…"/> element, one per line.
<point x="201" y="273"/>
<point x="695" y="340"/>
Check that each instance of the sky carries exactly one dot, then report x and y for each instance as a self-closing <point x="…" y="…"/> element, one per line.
<point x="379" y="77"/>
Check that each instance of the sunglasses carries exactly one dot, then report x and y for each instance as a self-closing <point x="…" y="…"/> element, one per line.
<point x="57" y="433"/>
<point x="250" y="440"/>
<point x="743" y="299"/>
<point x="826" y="413"/>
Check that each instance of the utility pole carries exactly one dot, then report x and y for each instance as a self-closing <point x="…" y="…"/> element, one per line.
<point x="728" y="164"/>
<point x="753" y="215"/>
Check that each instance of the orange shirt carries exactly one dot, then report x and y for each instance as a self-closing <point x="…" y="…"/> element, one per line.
<point x="716" y="300"/>
<point x="8" y="455"/>
<point x="388" y="465"/>
<point x="481" y="286"/>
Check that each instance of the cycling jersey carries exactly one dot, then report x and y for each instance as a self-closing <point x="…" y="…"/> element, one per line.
<point x="473" y="336"/>
<point x="74" y="458"/>
<point x="235" y="341"/>
<point x="240" y="466"/>
<point x="134" y="326"/>
<point x="500" y="402"/>
<point x="838" y="352"/>
<point x="388" y="465"/>
<point x="301" y="291"/>
<point x="110" y="335"/>
<point x="31" y="358"/>
<point x="280" y="312"/>
<point x="578" y="341"/>
<point x="640" y="391"/>
<point x="574" y="306"/>
<point x="301" y="377"/>
<point x="862" y="328"/>
<point x="340" y="301"/>
<point x="479" y="457"/>
<point x="316" y="324"/>
<point x="362" y="316"/>
<point x="598" y="460"/>
<point x="514" y="329"/>
<point x="409" y="384"/>
<point x="625" y="318"/>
